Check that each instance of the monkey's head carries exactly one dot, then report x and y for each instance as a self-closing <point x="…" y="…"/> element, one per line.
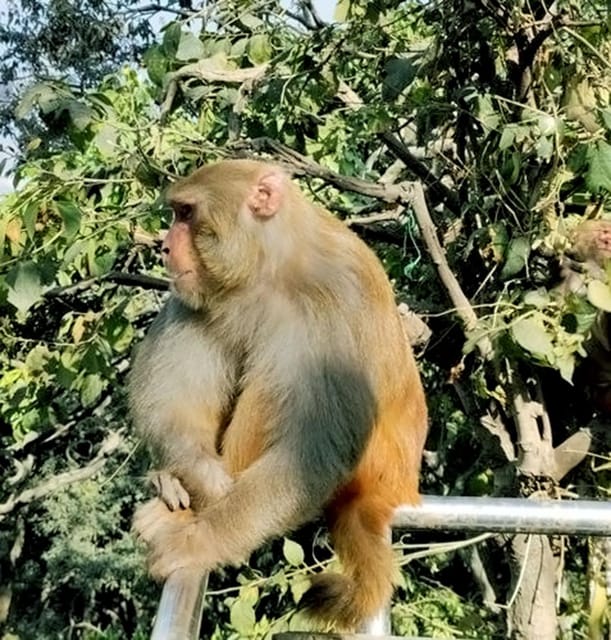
<point x="227" y="221"/>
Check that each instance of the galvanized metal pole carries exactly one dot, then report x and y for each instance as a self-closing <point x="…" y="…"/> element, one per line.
<point x="180" y="608"/>
<point x="179" y="615"/>
<point x="507" y="515"/>
<point x="503" y="515"/>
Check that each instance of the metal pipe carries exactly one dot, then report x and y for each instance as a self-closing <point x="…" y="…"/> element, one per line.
<point x="179" y="615"/>
<point x="507" y="515"/>
<point x="180" y="608"/>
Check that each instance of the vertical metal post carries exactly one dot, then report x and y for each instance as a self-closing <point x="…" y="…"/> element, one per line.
<point x="179" y="614"/>
<point x="379" y="624"/>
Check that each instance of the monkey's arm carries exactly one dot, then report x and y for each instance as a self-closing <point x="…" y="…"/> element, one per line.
<point x="322" y="429"/>
<point x="176" y="361"/>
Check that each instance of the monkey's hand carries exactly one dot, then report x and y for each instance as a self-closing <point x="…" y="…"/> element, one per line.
<point x="176" y="539"/>
<point x="170" y="490"/>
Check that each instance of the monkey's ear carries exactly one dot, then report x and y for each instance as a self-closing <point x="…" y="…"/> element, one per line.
<point x="265" y="198"/>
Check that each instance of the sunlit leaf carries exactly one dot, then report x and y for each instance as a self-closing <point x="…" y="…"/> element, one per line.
<point x="531" y="335"/>
<point x="71" y="217"/>
<point x="80" y="114"/>
<point x="292" y="552"/>
<point x="566" y="366"/>
<point x="516" y="257"/>
<point x="342" y="11"/>
<point x="250" y="21"/>
<point x="24" y="284"/>
<point x="190" y="47"/>
<point x="259" y="49"/>
<point x="599" y="166"/>
<point x="299" y="585"/>
<point x="242" y="617"/>
<point x="599" y="295"/>
<point x="106" y="139"/>
<point x="91" y="389"/>
<point x="537" y="298"/>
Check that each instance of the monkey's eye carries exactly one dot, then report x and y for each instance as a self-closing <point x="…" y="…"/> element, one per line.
<point x="183" y="212"/>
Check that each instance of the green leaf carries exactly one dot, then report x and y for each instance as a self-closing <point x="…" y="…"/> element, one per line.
<point x="606" y="114"/>
<point x="171" y="38"/>
<point x="259" y="49"/>
<point x="488" y="115"/>
<point x="507" y="137"/>
<point x="299" y="585"/>
<point x="342" y="11"/>
<point x="599" y="167"/>
<point x="190" y="47"/>
<point x="119" y="333"/>
<point x="531" y="335"/>
<point x="156" y="63"/>
<point x="80" y="114"/>
<point x="538" y="298"/>
<point x="106" y="140"/>
<point x="91" y="389"/>
<point x="71" y="217"/>
<point x="400" y="72"/>
<point x="599" y="295"/>
<point x="548" y="125"/>
<point x="242" y="617"/>
<point x="29" y="217"/>
<point x="24" y="285"/>
<point x="38" y="94"/>
<point x="238" y="48"/>
<point x="516" y="257"/>
<point x="566" y="366"/>
<point x="250" y="21"/>
<point x="545" y="148"/>
<point x="293" y="553"/>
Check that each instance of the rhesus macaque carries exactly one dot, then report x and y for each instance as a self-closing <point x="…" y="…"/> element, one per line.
<point x="591" y="250"/>
<point x="276" y="384"/>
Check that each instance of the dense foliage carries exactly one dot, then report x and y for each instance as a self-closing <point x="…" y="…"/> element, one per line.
<point x="501" y="110"/>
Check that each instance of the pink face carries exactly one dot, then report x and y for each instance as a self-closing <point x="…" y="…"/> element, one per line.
<point x="180" y="259"/>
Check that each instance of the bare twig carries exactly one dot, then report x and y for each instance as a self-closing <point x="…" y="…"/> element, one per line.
<point x="202" y="70"/>
<point x="110" y="444"/>
<point x="429" y="234"/>
<point x="117" y="277"/>
<point x="158" y="8"/>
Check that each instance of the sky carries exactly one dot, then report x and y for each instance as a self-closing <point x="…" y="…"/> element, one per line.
<point x="325" y="9"/>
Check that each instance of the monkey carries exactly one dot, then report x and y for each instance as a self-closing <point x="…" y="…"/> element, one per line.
<point x="276" y="385"/>
<point x="590" y="253"/>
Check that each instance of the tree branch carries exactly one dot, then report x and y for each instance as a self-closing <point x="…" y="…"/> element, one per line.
<point x="117" y="277"/>
<point x="110" y="444"/>
<point x="351" y="99"/>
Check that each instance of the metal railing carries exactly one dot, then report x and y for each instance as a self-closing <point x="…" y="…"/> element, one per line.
<point x="180" y="608"/>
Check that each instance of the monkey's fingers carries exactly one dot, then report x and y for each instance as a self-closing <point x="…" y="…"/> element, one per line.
<point x="149" y="518"/>
<point x="170" y="490"/>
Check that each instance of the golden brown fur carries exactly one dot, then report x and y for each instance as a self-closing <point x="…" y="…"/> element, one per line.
<point x="276" y="384"/>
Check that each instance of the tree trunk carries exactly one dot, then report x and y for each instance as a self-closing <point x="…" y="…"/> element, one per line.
<point x="532" y="615"/>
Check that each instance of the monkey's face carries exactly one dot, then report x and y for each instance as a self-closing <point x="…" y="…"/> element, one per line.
<point x="181" y="259"/>
<point x="218" y="241"/>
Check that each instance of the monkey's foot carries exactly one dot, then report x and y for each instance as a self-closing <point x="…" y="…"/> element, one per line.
<point x="176" y="539"/>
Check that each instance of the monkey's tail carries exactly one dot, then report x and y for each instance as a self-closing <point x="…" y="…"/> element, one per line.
<point x="360" y="535"/>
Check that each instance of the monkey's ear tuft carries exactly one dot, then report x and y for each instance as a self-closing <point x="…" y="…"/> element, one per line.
<point x="265" y="199"/>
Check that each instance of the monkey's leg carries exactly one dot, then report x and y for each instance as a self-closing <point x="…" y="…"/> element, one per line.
<point x="312" y="447"/>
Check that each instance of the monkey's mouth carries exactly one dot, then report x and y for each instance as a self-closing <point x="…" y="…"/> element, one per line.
<point x="177" y="276"/>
